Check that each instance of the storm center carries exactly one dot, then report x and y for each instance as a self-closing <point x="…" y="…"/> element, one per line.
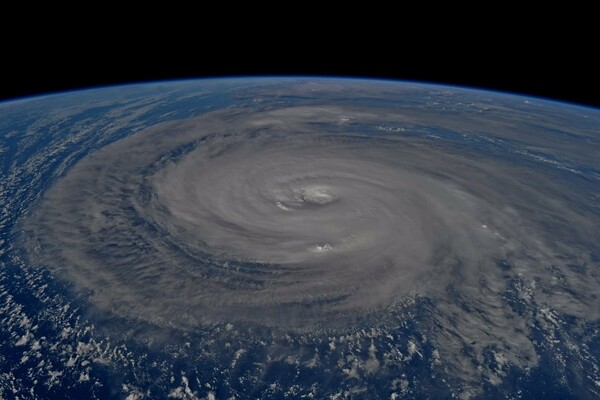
<point x="318" y="195"/>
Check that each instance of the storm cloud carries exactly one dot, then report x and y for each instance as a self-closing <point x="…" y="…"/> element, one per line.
<point x="319" y="216"/>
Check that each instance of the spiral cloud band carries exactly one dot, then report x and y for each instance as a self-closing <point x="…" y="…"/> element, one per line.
<point x="286" y="217"/>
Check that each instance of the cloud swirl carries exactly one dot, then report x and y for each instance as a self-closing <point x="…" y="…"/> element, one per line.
<point x="303" y="217"/>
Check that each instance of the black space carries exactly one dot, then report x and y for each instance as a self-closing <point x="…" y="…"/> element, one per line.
<point x="546" y="68"/>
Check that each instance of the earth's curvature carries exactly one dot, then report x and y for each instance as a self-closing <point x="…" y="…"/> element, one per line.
<point x="298" y="238"/>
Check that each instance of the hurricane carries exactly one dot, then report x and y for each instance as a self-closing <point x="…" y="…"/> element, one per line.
<point x="320" y="217"/>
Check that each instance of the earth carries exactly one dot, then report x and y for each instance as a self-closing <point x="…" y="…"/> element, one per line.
<point x="298" y="238"/>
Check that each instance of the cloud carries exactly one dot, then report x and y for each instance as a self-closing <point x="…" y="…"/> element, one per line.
<point x="285" y="219"/>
